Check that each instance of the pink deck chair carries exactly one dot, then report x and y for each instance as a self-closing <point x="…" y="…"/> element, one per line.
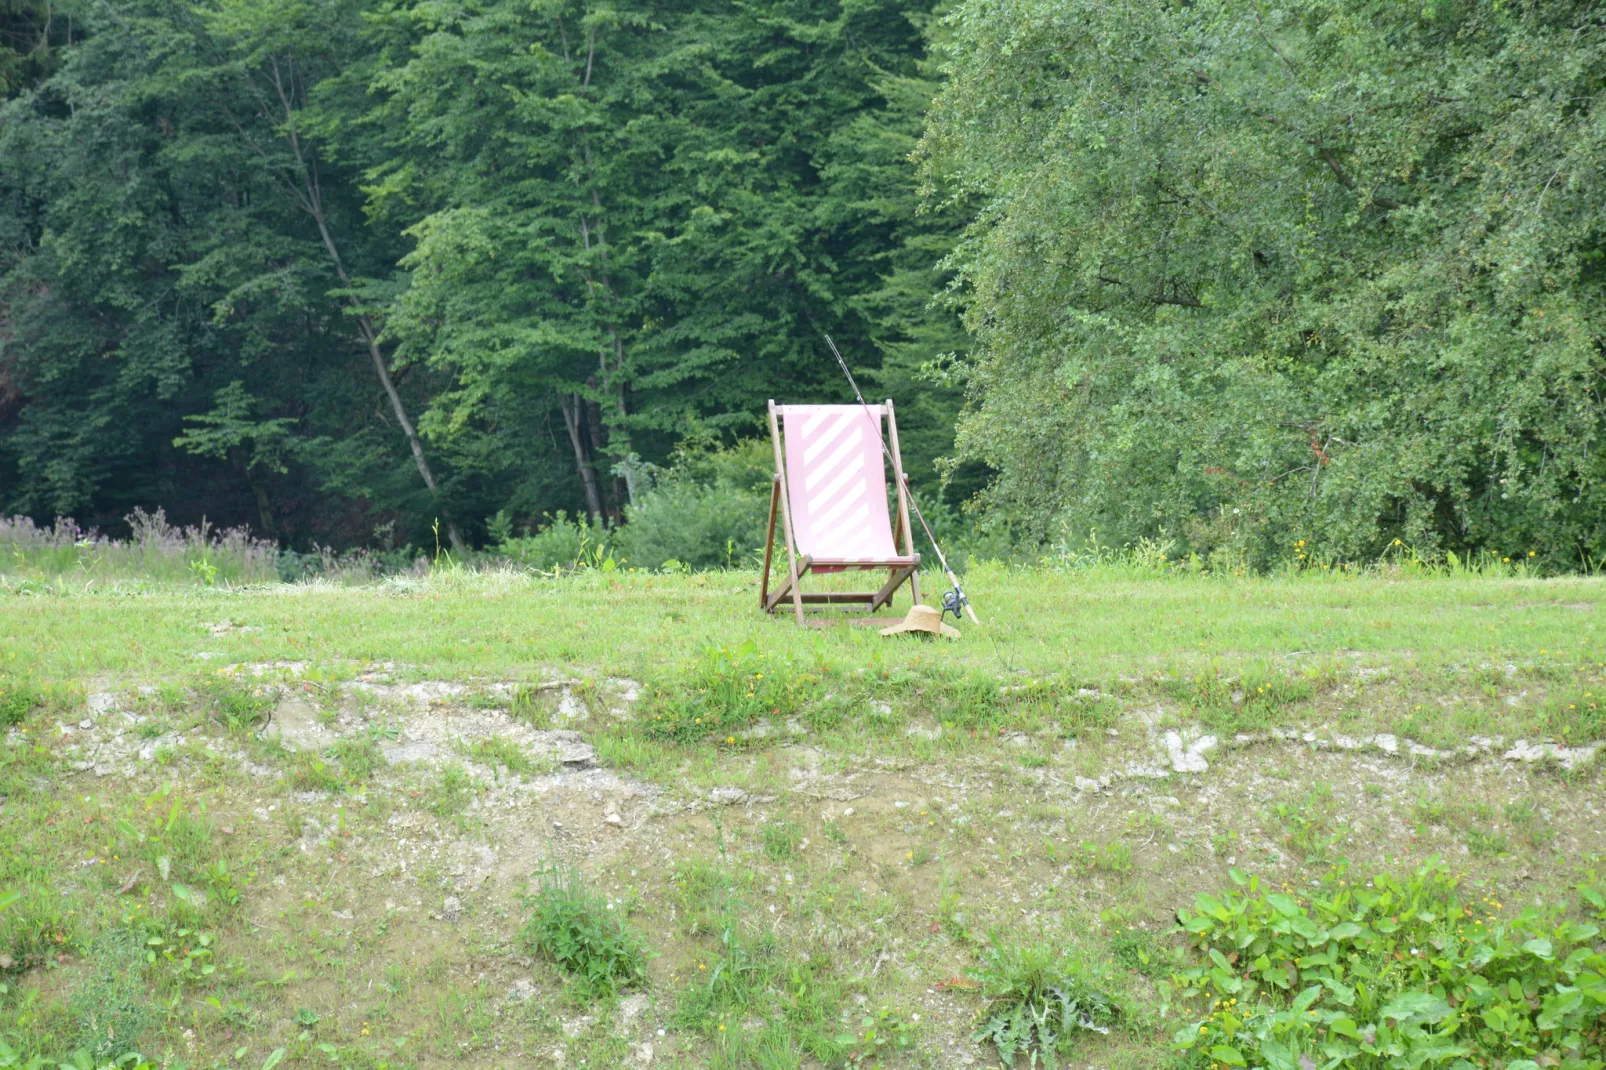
<point x="830" y="490"/>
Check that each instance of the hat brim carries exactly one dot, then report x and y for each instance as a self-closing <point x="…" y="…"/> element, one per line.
<point x="947" y="631"/>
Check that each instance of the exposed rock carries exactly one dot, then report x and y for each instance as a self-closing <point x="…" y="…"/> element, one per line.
<point x="295" y="724"/>
<point x="631" y="1008"/>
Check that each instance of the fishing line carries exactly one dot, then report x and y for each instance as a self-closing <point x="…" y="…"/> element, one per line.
<point x="954" y="600"/>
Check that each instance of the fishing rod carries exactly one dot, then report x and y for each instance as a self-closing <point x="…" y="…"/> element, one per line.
<point x="952" y="601"/>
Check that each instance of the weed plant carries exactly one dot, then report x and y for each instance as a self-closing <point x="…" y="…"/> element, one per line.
<point x="502" y="754"/>
<point x="1041" y="997"/>
<point x="156" y="550"/>
<point x="1391" y="973"/>
<point x="449" y="794"/>
<point x="236" y="705"/>
<point x="17" y="700"/>
<point x="1252" y="700"/>
<point x="583" y="935"/>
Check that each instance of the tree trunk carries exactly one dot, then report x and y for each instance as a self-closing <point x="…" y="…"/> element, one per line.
<point x="264" y="509"/>
<point x="310" y="193"/>
<point x="572" y="416"/>
<point x="599" y="450"/>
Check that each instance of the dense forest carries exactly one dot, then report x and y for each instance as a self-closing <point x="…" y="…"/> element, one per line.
<point x="1234" y="276"/>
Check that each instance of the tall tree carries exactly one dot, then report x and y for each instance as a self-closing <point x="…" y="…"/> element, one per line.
<point x="631" y="213"/>
<point x="1246" y="275"/>
<point x="177" y="248"/>
<point x="313" y="266"/>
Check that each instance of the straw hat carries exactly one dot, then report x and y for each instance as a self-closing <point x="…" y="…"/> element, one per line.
<point x="923" y="619"/>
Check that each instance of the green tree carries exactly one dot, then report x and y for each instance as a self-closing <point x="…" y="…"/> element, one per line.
<point x="640" y="219"/>
<point x="1244" y="274"/>
<point x="317" y="266"/>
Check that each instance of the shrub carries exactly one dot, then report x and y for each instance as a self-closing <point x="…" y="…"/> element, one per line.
<point x="563" y="543"/>
<point x="707" y="512"/>
<point x="696" y="526"/>
<point x="580" y="932"/>
<point x="1389" y="973"/>
<point x="1040" y="996"/>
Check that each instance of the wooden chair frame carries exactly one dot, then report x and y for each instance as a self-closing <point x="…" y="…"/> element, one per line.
<point x="798" y="567"/>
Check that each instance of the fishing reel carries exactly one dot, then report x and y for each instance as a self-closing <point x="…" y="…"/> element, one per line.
<point x="955" y="602"/>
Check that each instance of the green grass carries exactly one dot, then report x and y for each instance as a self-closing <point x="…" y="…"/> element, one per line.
<point x="1039" y="622"/>
<point x="793" y="842"/>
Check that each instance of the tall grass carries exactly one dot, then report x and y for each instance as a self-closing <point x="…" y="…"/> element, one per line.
<point x="155" y="551"/>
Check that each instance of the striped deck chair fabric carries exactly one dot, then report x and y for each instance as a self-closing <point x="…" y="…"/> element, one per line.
<point x="831" y="472"/>
<point x="837" y="480"/>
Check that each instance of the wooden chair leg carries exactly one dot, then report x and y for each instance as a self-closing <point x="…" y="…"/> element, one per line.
<point x="799" y="569"/>
<point x="884" y="596"/>
<point x="769" y="543"/>
<point x="790" y="584"/>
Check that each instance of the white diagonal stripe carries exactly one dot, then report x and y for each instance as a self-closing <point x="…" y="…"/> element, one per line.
<point x="828" y="438"/>
<point x="812" y="420"/>
<point x="826" y="496"/>
<point x="850" y="447"/>
<point x="834" y="512"/>
<point x="847" y="536"/>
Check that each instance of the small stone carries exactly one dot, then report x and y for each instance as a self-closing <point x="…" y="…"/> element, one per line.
<point x="522" y="991"/>
<point x="86" y="724"/>
<point x="452" y="909"/>
<point x="613" y="819"/>
<point x="577" y="754"/>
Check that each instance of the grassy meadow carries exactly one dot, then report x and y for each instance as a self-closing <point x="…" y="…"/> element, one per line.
<point x="1136" y="818"/>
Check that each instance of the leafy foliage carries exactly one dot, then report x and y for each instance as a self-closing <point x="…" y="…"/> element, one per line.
<point x="581" y="932"/>
<point x="1249" y="276"/>
<point x="706" y="511"/>
<point x="1392" y="973"/>
<point x="17" y="700"/>
<point x="549" y="238"/>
